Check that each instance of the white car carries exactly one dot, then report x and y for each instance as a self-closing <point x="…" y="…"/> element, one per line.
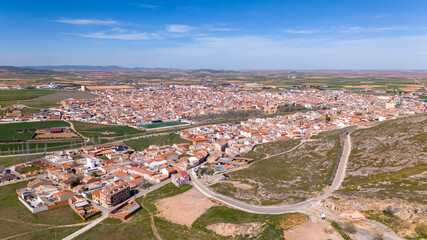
<point x="322" y="215"/>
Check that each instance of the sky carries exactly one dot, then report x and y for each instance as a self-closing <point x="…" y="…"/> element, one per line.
<point x="216" y="34"/>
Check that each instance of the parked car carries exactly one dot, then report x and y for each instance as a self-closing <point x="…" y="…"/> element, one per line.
<point x="322" y="215"/>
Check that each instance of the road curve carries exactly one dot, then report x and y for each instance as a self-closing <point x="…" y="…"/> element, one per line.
<point x="339" y="177"/>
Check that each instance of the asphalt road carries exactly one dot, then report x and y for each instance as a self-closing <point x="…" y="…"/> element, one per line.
<point x="339" y="177"/>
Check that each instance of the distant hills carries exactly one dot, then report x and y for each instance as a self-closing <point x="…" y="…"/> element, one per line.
<point x="99" y="68"/>
<point x="24" y="70"/>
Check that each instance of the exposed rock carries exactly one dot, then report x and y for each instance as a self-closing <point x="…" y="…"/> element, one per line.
<point x="229" y="229"/>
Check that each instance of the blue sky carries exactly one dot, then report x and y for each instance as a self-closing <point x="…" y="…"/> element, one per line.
<point x="221" y="34"/>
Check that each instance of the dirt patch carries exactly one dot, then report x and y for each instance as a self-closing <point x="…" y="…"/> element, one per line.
<point x="292" y="220"/>
<point x="319" y="229"/>
<point x="229" y="229"/>
<point x="185" y="208"/>
<point x="109" y="87"/>
<point x="240" y="185"/>
<point x="55" y="135"/>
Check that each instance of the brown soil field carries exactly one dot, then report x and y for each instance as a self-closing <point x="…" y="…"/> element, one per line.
<point x="109" y="87"/>
<point x="366" y="86"/>
<point x="185" y="208"/>
<point x="410" y="88"/>
<point x="56" y="135"/>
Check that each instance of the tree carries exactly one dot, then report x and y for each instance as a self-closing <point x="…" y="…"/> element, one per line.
<point x="94" y="174"/>
<point x="75" y="183"/>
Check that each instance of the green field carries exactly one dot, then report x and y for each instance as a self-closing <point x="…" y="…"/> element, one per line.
<point x="9" y="161"/>
<point x="143" y="143"/>
<point x="162" y="124"/>
<point x="16" y="219"/>
<point x="93" y="129"/>
<point x="8" y="131"/>
<point x="19" y="148"/>
<point x="276" y="178"/>
<point x="14" y="96"/>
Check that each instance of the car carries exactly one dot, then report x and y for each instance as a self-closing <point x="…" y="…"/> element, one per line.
<point x="322" y="215"/>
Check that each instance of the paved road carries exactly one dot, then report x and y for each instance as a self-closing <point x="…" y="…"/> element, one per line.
<point x="106" y="211"/>
<point x="339" y="177"/>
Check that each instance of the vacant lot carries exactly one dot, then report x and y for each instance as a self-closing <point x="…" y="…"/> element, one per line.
<point x="25" y="131"/>
<point x="143" y="143"/>
<point x="53" y="99"/>
<point x="184" y="208"/>
<point x="288" y="177"/>
<point x="93" y="129"/>
<point x="16" y="219"/>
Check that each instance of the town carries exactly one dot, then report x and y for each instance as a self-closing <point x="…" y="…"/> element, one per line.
<point x="101" y="178"/>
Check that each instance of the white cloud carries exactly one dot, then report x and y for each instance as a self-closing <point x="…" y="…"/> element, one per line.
<point x="257" y="52"/>
<point x="358" y="29"/>
<point x="223" y="29"/>
<point x="120" y="36"/>
<point x="177" y="28"/>
<point x="87" y="21"/>
<point x="144" y="5"/>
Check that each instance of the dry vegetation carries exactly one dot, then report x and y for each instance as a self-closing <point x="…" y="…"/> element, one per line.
<point x="288" y="177"/>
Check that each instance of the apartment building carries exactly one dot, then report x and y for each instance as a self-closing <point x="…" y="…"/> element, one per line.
<point x="112" y="195"/>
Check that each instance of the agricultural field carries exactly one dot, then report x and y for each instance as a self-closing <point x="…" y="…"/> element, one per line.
<point x="19" y="148"/>
<point x="52" y="100"/>
<point x="290" y="177"/>
<point x="162" y="124"/>
<point x="16" y="220"/>
<point x="93" y="129"/>
<point x="6" y="161"/>
<point x="144" y="142"/>
<point x="14" y="96"/>
<point x="25" y="130"/>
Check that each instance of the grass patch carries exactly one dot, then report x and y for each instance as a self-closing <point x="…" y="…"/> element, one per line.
<point x="144" y="142"/>
<point x="275" y="224"/>
<point x="15" y="218"/>
<point x="93" y="129"/>
<point x="163" y="124"/>
<point x="387" y="218"/>
<point x="340" y="231"/>
<point x="25" y="130"/>
<point x="7" y="149"/>
<point x="166" y="191"/>
<point x="9" y="161"/>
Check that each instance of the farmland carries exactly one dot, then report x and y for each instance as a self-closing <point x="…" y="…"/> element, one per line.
<point x="25" y="131"/>
<point x="162" y="124"/>
<point x="14" y="96"/>
<point x="53" y="99"/>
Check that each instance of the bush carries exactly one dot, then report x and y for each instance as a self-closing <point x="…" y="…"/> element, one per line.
<point x="350" y="227"/>
<point x="421" y="230"/>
